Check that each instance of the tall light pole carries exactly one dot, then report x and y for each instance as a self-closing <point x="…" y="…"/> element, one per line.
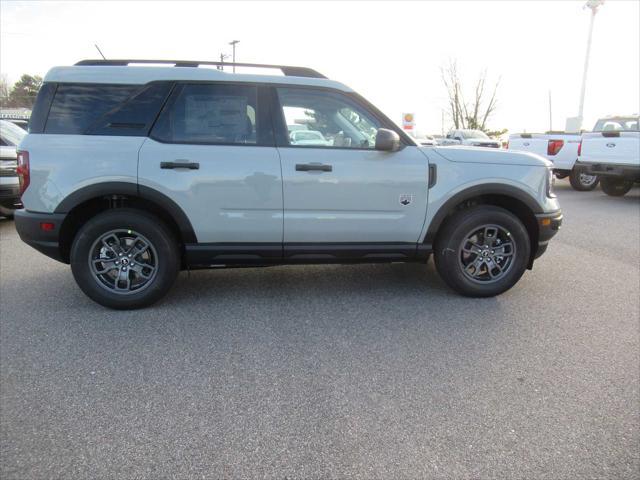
<point x="233" y="45"/>
<point x="593" y="5"/>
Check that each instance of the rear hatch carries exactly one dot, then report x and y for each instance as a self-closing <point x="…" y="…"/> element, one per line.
<point x="528" y="143"/>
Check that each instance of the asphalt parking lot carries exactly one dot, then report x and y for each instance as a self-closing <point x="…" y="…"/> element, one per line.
<point x="369" y="371"/>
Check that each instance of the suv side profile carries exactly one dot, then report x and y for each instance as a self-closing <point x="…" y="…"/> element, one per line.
<point x="131" y="173"/>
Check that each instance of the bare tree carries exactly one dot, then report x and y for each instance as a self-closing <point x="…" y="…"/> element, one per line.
<point x="476" y="113"/>
<point x="4" y="91"/>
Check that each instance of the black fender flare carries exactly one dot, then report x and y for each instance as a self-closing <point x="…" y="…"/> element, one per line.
<point x="107" y="189"/>
<point x="476" y="191"/>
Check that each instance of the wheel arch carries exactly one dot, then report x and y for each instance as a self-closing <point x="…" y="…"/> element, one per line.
<point x="88" y="201"/>
<point x="512" y="199"/>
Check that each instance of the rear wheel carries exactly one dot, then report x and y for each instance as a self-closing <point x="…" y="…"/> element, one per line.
<point x="616" y="187"/>
<point x="581" y="181"/>
<point x="124" y="259"/>
<point x="482" y="251"/>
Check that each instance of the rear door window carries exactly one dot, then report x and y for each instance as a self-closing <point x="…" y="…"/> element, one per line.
<point x="210" y="114"/>
<point x="76" y="107"/>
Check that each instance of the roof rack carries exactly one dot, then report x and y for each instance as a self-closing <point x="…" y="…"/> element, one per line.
<point x="286" y="70"/>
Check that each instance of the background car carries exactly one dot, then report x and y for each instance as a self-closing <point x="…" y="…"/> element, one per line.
<point x="308" y="137"/>
<point x="10" y="137"/>
<point x="475" y="138"/>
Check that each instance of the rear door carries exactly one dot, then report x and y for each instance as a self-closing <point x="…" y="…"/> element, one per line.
<point x="212" y="152"/>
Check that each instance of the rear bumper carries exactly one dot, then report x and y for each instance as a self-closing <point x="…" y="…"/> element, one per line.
<point x="28" y="225"/>
<point x="629" y="172"/>
<point x="548" y="226"/>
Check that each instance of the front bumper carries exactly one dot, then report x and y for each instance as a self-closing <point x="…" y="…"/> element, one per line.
<point x="628" y="172"/>
<point x="548" y="226"/>
<point x="10" y="192"/>
<point x="30" y="228"/>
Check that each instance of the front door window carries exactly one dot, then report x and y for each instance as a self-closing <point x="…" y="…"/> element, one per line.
<point x="320" y="118"/>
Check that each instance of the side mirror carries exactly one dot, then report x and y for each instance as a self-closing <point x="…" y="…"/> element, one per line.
<point x="387" y="140"/>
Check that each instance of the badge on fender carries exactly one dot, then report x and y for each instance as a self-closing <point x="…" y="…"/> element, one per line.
<point x="405" y="199"/>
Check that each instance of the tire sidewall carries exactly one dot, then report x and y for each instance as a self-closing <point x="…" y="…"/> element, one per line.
<point x="146" y="224"/>
<point x="616" y="187"/>
<point x="448" y="244"/>
<point x="576" y="183"/>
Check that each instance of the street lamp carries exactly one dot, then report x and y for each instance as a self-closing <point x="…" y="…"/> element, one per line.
<point x="593" y="5"/>
<point x="233" y="44"/>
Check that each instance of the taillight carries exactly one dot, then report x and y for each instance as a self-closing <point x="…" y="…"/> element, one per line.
<point x="554" y="146"/>
<point x="580" y="148"/>
<point x="23" y="170"/>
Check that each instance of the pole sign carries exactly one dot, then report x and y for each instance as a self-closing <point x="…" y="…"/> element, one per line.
<point x="408" y="121"/>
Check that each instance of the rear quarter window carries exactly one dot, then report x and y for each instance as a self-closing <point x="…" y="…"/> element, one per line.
<point x="76" y="107"/>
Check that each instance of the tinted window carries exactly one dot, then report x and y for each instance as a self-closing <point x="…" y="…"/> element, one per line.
<point x="41" y="107"/>
<point x="76" y="107"/>
<point x="134" y="117"/>
<point x="330" y="119"/>
<point x="201" y="113"/>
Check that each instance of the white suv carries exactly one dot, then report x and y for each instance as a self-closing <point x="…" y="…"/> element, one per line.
<point x="132" y="172"/>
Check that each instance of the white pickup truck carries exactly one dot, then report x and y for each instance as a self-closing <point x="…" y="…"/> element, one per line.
<point x="472" y="138"/>
<point x="612" y="151"/>
<point x="561" y="149"/>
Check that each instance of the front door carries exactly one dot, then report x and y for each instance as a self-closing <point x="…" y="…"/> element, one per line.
<point x="337" y="188"/>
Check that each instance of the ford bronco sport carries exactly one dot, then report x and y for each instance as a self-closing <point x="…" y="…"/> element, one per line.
<point x="131" y="172"/>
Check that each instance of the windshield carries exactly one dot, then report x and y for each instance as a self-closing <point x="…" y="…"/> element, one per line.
<point x="474" y="134"/>
<point x="628" y="124"/>
<point x="11" y="134"/>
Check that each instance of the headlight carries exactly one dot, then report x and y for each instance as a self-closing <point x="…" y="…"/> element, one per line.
<point x="550" y="179"/>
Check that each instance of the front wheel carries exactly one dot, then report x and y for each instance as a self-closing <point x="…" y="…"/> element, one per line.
<point x="615" y="187"/>
<point x="482" y="251"/>
<point x="581" y="181"/>
<point x="124" y="259"/>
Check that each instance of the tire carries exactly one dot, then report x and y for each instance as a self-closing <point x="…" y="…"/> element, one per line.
<point x="105" y="271"/>
<point x="615" y="187"/>
<point x="581" y="181"/>
<point x="451" y="260"/>
<point x="561" y="176"/>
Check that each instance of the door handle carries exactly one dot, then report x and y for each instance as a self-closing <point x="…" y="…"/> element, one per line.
<point x="189" y="165"/>
<point x="309" y="167"/>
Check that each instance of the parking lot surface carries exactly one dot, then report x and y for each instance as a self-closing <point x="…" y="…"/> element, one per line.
<point x="368" y="371"/>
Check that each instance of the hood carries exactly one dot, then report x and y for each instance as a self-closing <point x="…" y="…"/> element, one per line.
<point x="490" y="155"/>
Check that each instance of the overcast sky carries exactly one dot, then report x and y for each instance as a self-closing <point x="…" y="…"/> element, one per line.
<point x="390" y="52"/>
